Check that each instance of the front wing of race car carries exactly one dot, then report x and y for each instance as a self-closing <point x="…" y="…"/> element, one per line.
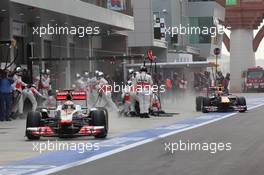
<point x="224" y="108"/>
<point x="47" y="131"/>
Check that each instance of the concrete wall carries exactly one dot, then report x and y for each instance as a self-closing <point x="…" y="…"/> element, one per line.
<point x="207" y="9"/>
<point x="63" y="73"/>
<point x="143" y="34"/>
<point x="4" y="29"/>
<point x="83" y="10"/>
<point x="176" y="14"/>
<point x="142" y="38"/>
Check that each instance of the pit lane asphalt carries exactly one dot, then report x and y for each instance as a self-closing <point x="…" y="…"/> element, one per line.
<point x="245" y="132"/>
<point x="14" y="146"/>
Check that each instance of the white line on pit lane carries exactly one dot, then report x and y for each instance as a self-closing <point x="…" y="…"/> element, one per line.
<point x="22" y="169"/>
<point x="173" y="127"/>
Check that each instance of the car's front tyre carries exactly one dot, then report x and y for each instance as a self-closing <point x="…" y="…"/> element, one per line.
<point x="242" y="102"/>
<point x="33" y="121"/>
<point x="100" y="118"/>
<point x="205" y="103"/>
<point x="198" y="103"/>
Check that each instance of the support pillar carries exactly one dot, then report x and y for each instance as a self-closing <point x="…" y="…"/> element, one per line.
<point x="68" y="64"/>
<point x="242" y="56"/>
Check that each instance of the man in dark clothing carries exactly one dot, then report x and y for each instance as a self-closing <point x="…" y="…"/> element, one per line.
<point x="226" y="83"/>
<point x="26" y="77"/>
<point x="219" y="78"/>
<point x="175" y="82"/>
<point x="5" y="96"/>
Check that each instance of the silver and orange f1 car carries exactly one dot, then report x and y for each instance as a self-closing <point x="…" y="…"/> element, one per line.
<point x="69" y="118"/>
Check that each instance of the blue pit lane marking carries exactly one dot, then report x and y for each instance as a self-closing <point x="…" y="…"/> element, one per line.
<point x="52" y="162"/>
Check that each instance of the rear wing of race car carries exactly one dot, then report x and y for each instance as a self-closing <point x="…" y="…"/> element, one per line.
<point x="71" y="95"/>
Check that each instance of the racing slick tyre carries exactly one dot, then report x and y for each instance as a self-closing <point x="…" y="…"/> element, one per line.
<point x="99" y="118"/>
<point x="205" y="103"/>
<point x="106" y="115"/>
<point x="198" y="102"/>
<point x="242" y="102"/>
<point x="105" y="111"/>
<point x="33" y="120"/>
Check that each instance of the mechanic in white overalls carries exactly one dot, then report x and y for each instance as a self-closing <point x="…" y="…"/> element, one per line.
<point x="105" y="93"/>
<point x="80" y="84"/>
<point x="129" y="94"/>
<point x="18" y="86"/>
<point x="129" y="99"/>
<point x="86" y="79"/>
<point x="143" y="82"/>
<point x="31" y="93"/>
<point x="46" y="82"/>
<point x="92" y="90"/>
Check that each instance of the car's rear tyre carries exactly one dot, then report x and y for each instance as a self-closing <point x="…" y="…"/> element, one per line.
<point x="33" y="120"/>
<point x="198" y="103"/>
<point x="99" y="118"/>
<point x="205" y="103"/>
<point x="242" y="102"/>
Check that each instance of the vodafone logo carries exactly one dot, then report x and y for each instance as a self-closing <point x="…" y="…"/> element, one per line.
<point x="78" y="93"/>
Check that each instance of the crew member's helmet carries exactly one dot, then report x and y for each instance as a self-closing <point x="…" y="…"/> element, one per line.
<point x="100" y="74"/>
<point x="86" y="74"/>
<point x="78" y="75"/>
<point x="68" y="105"/>
<point x="143" y="69"/>
<point x="219" y="73"/>
<point x="47" y="71"/>
<point x="18" y="69"/>
<point x="131" y="71"/>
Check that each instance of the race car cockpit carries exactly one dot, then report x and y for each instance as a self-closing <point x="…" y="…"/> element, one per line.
<point x="69" y="106"/>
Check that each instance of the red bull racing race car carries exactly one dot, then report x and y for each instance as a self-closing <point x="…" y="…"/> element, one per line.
<point x="69" y="118"/>
<point x="218" y="101"/>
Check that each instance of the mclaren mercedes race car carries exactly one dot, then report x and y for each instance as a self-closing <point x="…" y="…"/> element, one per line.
<point x="69" y="118"/>
<point x="217" y="101"/>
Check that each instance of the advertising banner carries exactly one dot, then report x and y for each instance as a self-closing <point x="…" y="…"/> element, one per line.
<point x="118" y="5"/>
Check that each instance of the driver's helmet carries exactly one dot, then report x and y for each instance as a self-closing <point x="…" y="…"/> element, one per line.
<point x="219" y="90"/>
<point x="68" y="105"/>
